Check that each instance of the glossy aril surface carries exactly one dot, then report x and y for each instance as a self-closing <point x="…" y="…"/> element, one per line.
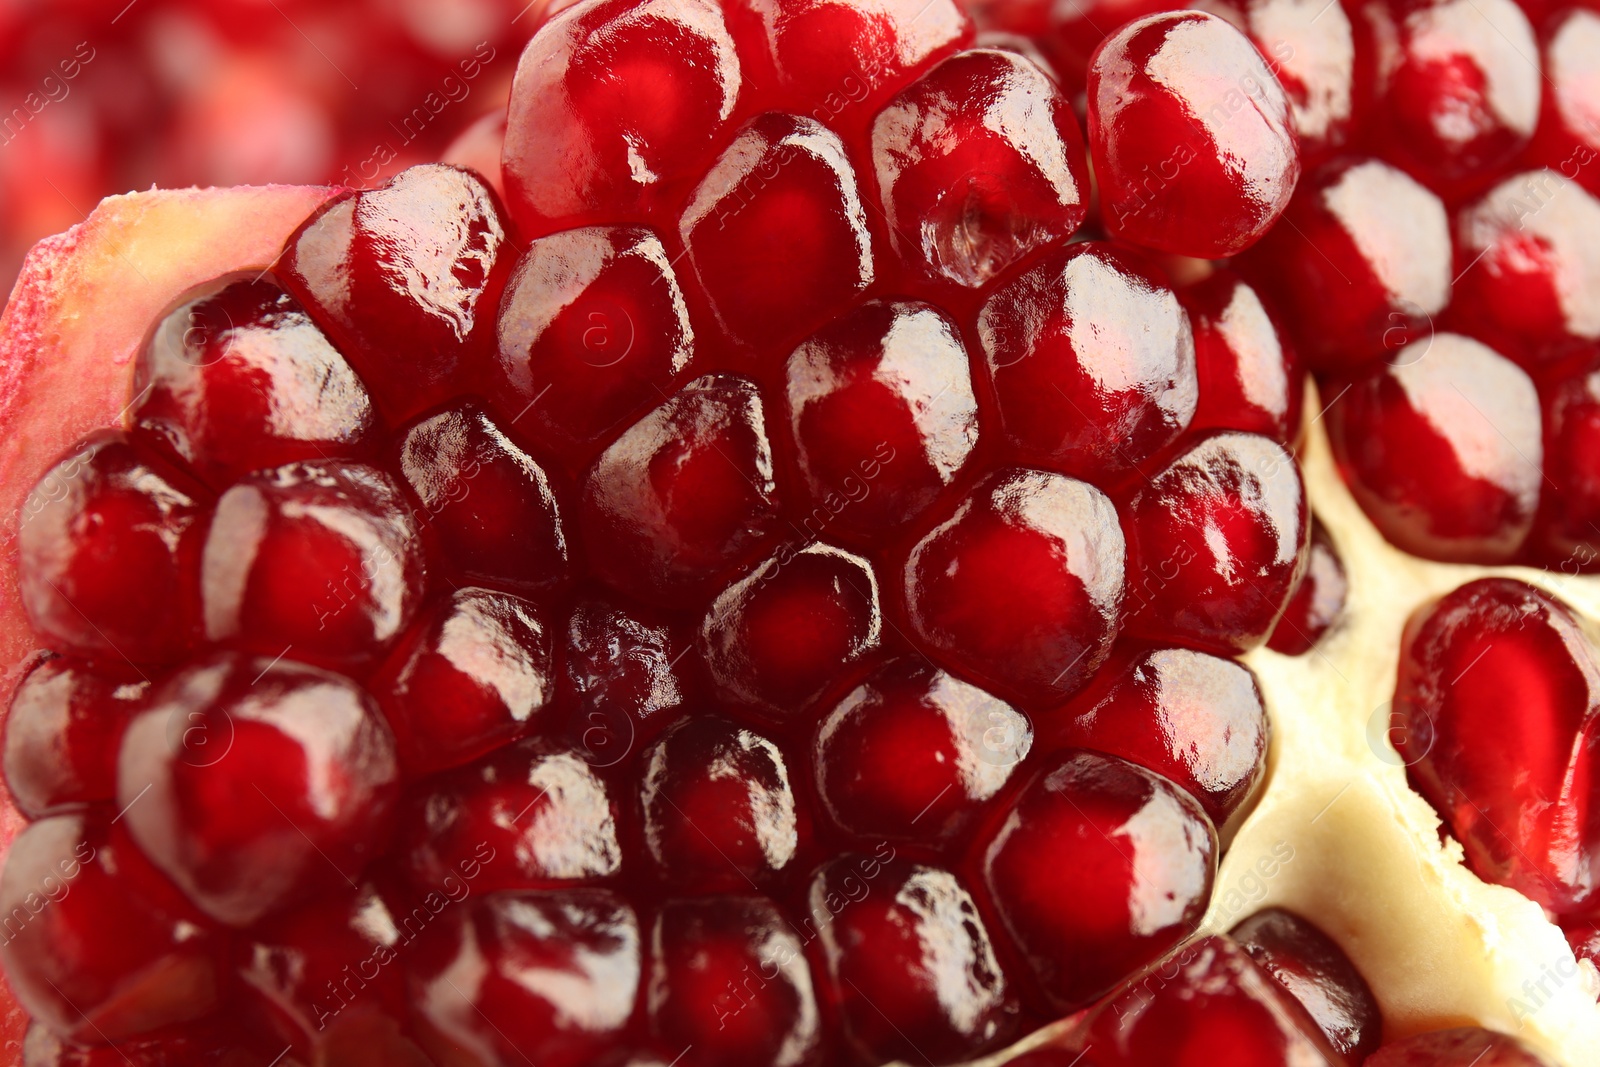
<point x="1569" y="500"/>
<point x="1317" y="603"/>
<point x="1570" y="118"/>
<point x="1463" y="1047"/>
<point x="627" y="676"/>
<point x="1249" y="373"/>
<point x="62" y="733"/>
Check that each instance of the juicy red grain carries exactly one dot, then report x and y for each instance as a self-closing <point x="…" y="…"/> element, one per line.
<point x="1317" y="973"/>
<point x="474" y="672"/>
<point x="909" y="961"/>
<point x="254" y="784"/>
<point x="1191" y="136"/>
<point x="491" y="506"/>
<point x="1021" y="587"/>
<point x="1093" y="869"/>
<point x="211" y="1041"/>
<point x="1441" y="447"/>
<point x="1468" y="1046"/>
<point x="686" y="496"/>
<point x="881" y="408"/>
<point x="1567" y="529"/>
<point x="1091" y="358"/>
<point x="777" y="230"/>
<point x="240" y="378"/>
<point x="613" y="103"/>
<point x="109" y="545"/>
<point x="627" y="676"/>
<point x="62" y="731"/>
<point x="1249" y="373"/>
<point x="1221" y="537"/>
<point x="1318" y="602"/>
<point x="1196" y="719"/>
<point x="325" y="558"/>
<point x="952" y="748"/>
<point x="593" y="328"/>
<point x="405" y="279"/>
<point x="1494" y="716"/>
<point x="978" y="163"/>
<point x="1569" y="133"/>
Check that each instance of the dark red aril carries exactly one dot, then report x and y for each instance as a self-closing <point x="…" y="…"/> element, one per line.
<point x="1566" y="531"/>
<point x="109" y="545"/>
<point x="211" y="1042"/>
<point x="240" y="378"/>
<point x="627" y="676"/>
<point x="62" y="732"/>
<point x="1468" y="1046"/>
<point x="1249" y="372"/>
<point x="1318" y="601"/>
<point x="1061" y="867"/>
<point x="255" y="784"/>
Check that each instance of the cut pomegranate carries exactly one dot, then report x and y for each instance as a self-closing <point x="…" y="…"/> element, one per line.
<point x="1224" y="126"/>
<point x="1317" y="603"/>
<point x="62" y="733"/>
<point x="1249" y="374"/>
<point x="1468" y="1046"/>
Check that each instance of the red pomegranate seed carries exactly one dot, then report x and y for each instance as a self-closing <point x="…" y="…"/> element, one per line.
<point x="1195" y="719"/>
<point x="321" y="559"/>
<point x="1318" y="601"/>
<point x="730" y="987"/>
<point x="686" y="496"/>
<point x="593" y="328"/>
<point x="613" y="104"/>
<point x="1567" y="530"/>
<point x="1569" y="132"/>
<point x="882" y="411"/>
<point x="554" y="977"/>
<point x="1021" y="587"/>
<point x="1360" y="265"/>
<point x="405" y="279"/>
<point x="533" y="815"/>
<point x="1060" y="865"/>
<point x="1492" y="714"/>
<point x="776" y="638"/>
<point x="254" y="784"/>
<point x="909" y="961"/>
<point x="979" y="163"/>
<point x="1456" y="87"/>
<point x="474" y="672"/>
<point x="109" y="546"/>
<point x="952" y="747"/>
<point x="626" y="678"/>
<point x="1249" y="373"/>
<point x="1317" y="973"/>
<point x="1468" y="1046"/>
<point x="1092" y="361"/>
<point x="98" y="946"/>
<point x="777" y="230"/>
<point x="1197" y="159"/>
<point x="1220" y="538"/>
<point x="1206" y="1004"/>
<point x="211" y="1041"/>
<point x="491" y="506"/>
<point x="240" y="378"/>
<point x="1441" y="447"/>
<point x="719" y="811"/>
<point x="62" y="732"/>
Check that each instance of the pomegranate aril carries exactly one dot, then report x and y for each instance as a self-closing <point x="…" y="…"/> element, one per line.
<point x="240" y="378"/>
<point x="686" y="497"/>
<point x="1220" y="540"/>
<point x="978" y="163"/>
<point x="324" y="559"/>
<point x="719" y="809"/>
<point x="1020" y="588"/>
<point x="913" y="754"/>
<point x="1566" y="531"/>
<point x="1063" y="867"/>
<point x="729" y="985"/>
<point x="533" y="815"/>
<point x="613" y="103"/>
<point x="777" y="230"/>
<point x="405" y="279"/>
<point x="1360" y="265"/>
<point x="474" y="672"/>
<point x="545" y="977"/>
<point x="908" y="961"/>
<point x="1441" y="447"/>
<point x="212" y="1042"/>
<point x="98" y="945"/>
<point x="1468" y="1046"/>
<point x="1249" y="373"/>
<point x="593" y="327"/>
<point x="254" y="784"/>
<point x="626" y="679"/>
<point x="109" y="545"/>
<point x="1196" y="159"/>
<point x="1317" y="973"/>
<point x="1195" y="719"/>
<point x="1318" y="601"/>
<point x="62" y="732"/>
<point x="1495" y="717"/>
<point x="774" y="639"/>
<point x="490" y="504"/>
<point x="1568" y="138"/>
<point x="1092" y="362"/>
